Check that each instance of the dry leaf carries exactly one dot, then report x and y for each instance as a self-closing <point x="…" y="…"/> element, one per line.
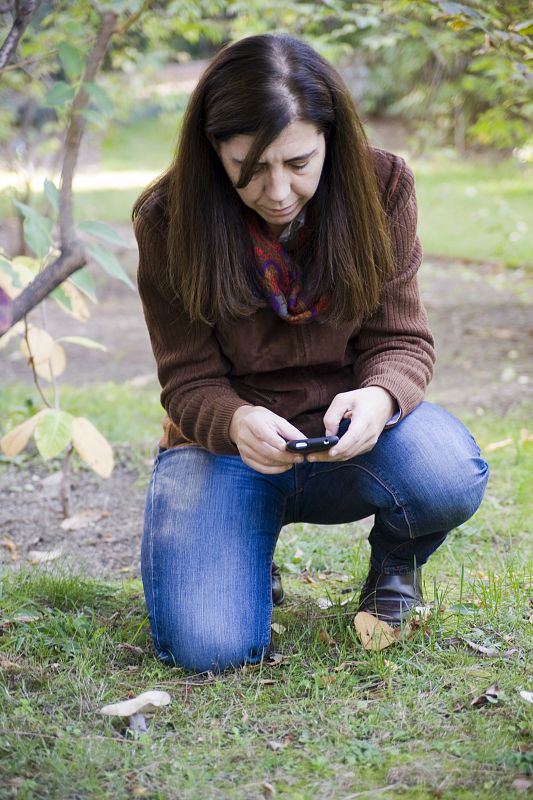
<point x="527" y="696"/>
<point x="275" y="746"/>
<point x="79" y="309"/>
<point x="490" y="695"/>
<point x="268" y="789"/>
<point x="10" y="545"/>
<point x="521" y="785"/>
<point x="19" y="618"/>
<point x="144" y="703"/>
<point x="82" y="520"/>
<point x="9" y="666"/>
<point x="490" y="448"/>
<point x="92" y="447"/>
<point x="54" y="366"/>
<point x="266" y="681"/>
<point x="43" y="556"/>
<point x="278" y="628"/>
<point x="324" y="637"/>
<point x="374" y="633"/>
<point x="491" y="652"/>
<point x="16" y="440"/>
<point x="37" y="345"/>
<point x="324" y="602"/>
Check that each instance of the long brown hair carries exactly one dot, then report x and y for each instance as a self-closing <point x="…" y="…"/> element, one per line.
<point x="258" y="86"/>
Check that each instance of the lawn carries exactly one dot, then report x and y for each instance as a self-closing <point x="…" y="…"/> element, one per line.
<point x="330" y="720"/>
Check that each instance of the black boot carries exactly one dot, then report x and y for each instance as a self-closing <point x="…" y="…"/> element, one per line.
<point x="391" y="597"/>
<point x="278" y="595"/>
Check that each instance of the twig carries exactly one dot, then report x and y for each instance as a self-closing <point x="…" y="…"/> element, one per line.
<point x="64" y="488"/>
<point x="25" y="9"/>
<point x="32" y="364"/>
<point x="134" y="17"/>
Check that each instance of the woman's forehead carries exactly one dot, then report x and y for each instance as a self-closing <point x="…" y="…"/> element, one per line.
<point x="297" y="139"/>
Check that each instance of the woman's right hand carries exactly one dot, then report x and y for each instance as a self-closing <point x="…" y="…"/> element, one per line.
<point x="261" y="436"/>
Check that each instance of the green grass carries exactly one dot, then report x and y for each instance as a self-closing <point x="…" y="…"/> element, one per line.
<point x="122" y="413"/>
<point x="343" y="720"/>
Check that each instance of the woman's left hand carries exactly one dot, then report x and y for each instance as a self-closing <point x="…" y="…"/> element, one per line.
<point x="369" y="409"/>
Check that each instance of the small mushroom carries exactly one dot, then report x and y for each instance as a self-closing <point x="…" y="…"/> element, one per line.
<point x="137" y="707"/>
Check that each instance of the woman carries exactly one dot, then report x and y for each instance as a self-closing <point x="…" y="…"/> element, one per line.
<point x="278" y="261"/>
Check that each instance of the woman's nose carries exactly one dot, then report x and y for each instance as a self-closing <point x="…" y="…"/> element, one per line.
<point x="278" y="187"/>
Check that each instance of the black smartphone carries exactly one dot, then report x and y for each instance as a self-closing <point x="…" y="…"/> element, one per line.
<point x="311" y="445"/>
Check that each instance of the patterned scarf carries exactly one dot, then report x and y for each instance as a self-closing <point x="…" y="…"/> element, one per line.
<point x="281" y="280"/>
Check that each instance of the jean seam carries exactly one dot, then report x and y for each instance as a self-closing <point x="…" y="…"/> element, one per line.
<point x="404" y="506"/>
<point x="151" y="540"/>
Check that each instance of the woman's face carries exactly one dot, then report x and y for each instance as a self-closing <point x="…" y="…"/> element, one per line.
<point x="287" y="174"/>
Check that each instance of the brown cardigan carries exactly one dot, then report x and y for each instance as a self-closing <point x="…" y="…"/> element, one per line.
<point x="294" y="370"/>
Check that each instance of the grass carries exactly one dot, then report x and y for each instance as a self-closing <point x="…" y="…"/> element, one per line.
<point x="329" y="721"/>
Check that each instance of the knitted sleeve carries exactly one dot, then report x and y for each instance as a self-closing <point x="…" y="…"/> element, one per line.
<point x="395" y="345"/>
<point x="191" y="368"/>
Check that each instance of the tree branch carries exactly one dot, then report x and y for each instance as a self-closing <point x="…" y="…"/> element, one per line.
<point x="24" y="11"/>
<point x="68" y="261"/>
<point x="134" y="17"/>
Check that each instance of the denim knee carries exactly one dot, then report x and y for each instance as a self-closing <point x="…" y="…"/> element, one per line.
<point x="210" y="652"/>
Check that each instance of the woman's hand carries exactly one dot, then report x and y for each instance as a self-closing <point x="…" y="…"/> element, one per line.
<point x="261" y="436"/>
<point x="369" y="409"/>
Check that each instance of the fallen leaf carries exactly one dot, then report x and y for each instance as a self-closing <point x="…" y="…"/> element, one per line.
<point x="10" y="545"/>
<point x="345" y="664"/>
<point x="324" y="637"/>
<point x="374" y="633"/>
<point x="82" y="520"/>
<point x="144" y="703"/>
<point x="278" y="628"/>
<point x="9" y="666"/>
<point x="490" y="652"/>
<point x="138" y="651"/>
<point x="43" y="556"/>
<point x="490" y="448"/>
<point x="266" y="681"/>
<point x="19" y="618"/>
<point x="490" y="695"/>
<point x="324" y="602"/>
<point x="305" y="576"/>
<point x="527" y="696"/>
<point x="521" y="785"/>
<point x="268" y="789"/>
<point x="275" y="746"/>
<point x="52" y="481"/>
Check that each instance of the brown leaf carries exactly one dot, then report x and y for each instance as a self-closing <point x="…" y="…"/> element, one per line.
<point x="275" y="746"/>
<point x="9" y="666"/>
<point x="10" y="545"/>
<point x="266" y="681"/>
<point x="324" y="637"/>
<point x="267" y="789"/>
<point x="374" y="633"/>
<point x="490" y="695"/>
<point x="82" y="520"/>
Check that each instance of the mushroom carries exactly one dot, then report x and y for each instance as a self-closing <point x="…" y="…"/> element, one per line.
<point x="137" y="707"/>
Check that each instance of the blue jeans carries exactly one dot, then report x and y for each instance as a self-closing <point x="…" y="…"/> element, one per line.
<point x="212" y="522"/>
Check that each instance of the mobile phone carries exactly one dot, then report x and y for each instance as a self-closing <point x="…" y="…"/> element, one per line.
<point x="315" y="445"/>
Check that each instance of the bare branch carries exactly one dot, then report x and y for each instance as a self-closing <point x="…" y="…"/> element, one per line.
<point x="76" y="129"/>
<point x="25" y="9"/>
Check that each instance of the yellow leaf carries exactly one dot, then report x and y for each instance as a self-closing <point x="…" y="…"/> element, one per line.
<point x="38" y="345"/>
<point x="490" y="448"/>
<point x="278" y="628"/>
<point x="374" y="634"/>
<point x="92" y="447"/>
<point x="16" y="440"/>
<point x="54" y="366"/>
<point x="80" y="309"/>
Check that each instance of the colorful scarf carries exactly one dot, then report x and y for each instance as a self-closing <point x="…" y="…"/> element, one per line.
<point x="281" y="280"/>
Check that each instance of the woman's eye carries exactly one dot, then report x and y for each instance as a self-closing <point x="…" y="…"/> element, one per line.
<point x="300" y="166"/>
